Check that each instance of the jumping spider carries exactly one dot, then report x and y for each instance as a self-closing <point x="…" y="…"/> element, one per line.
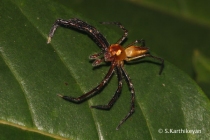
<point x="115" y="54"/>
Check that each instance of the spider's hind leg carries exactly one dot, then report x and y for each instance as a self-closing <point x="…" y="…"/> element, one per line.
<point x="158" y="58"/>
<point x="141" y="41"/>
<point x="116" y="95"/>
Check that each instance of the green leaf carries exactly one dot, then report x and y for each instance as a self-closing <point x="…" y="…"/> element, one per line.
<point x="202" y="70"/>
<point x="172" y="29"/>
<point x="34" y="72"/>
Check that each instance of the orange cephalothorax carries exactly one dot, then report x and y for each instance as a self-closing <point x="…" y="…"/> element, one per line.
<point x="115" y="51"/>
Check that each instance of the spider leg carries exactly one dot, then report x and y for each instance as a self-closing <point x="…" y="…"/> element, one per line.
<point x="97" y="62"/>
<point x="75" y="23"/>
<point x="160" y="59"/>
<point x="149" y="55"/>
<point x="96" y="55"/>
<point x="142" y="42"/>
<point x="132" y="107"/>
<point x="93" y="91"/>
<point x="121" y="27"/>
<point x="116" y="95"/>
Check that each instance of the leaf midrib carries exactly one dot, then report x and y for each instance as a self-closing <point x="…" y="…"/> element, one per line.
<point x="31" y="130"/>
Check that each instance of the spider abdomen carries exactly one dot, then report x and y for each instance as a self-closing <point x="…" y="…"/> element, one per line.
<point x="134" y="51"/>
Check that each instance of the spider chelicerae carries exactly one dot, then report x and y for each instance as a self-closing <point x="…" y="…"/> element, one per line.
<point x="115" y="54"/>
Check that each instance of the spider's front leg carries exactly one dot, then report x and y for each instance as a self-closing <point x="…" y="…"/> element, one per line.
<point x="78" y="24"/>
<point x="116" y="95"/>
<point x="93" y="91"/>
<point x="58" y="22"/>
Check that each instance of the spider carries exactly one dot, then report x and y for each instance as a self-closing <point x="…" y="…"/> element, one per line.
<point x="115" y="54"/>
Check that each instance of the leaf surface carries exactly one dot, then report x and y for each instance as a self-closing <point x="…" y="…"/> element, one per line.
<point x="34" y="72"/>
